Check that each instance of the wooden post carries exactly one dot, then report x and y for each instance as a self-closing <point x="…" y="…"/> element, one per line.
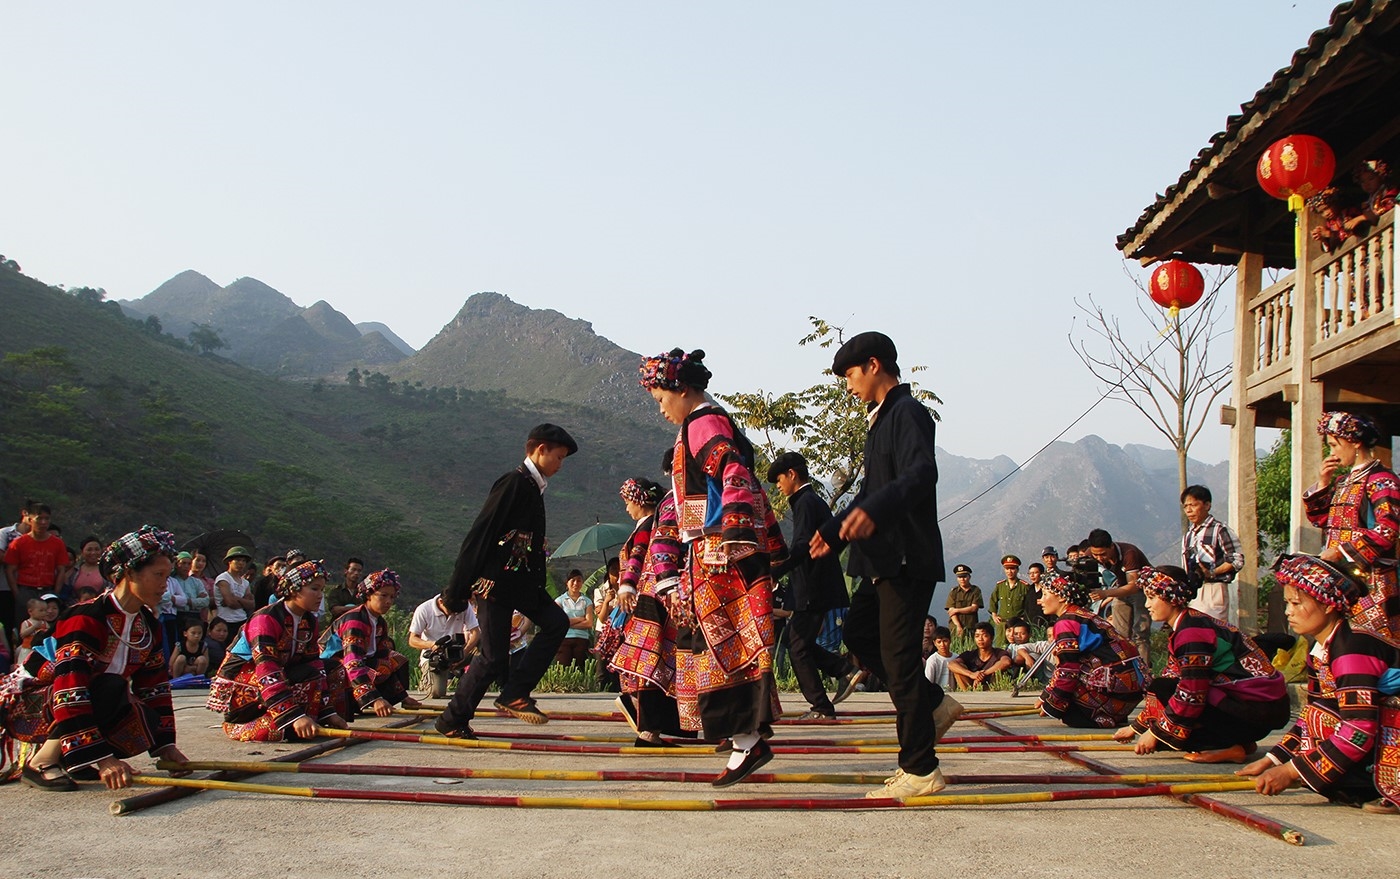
<point x="1305" y="454"/>
<point x="1244" y="502"/>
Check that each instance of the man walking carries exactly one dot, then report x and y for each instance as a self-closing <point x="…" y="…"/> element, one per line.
<point x="896" y="553"/>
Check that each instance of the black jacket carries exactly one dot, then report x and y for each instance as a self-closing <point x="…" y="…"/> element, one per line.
<point x="900" y="492"/>
<point x="505" y="546"/>
<point x="815" y="584"/>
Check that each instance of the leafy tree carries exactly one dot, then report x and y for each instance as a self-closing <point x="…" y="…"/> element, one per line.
<point x="206" y="339"/>
<point x="8" y="264"/>
<point x="1271" y="486"/>
<point x="379" y="383"/>
<point x="352" y="378"/>
<point x="90" y="295"/>
<point x="152" y="325"/>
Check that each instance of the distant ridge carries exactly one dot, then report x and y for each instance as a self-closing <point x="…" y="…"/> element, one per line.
<point x="374" y="326"/>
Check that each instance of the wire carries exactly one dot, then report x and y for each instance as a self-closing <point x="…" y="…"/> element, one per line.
<point x="1057" y="436"/>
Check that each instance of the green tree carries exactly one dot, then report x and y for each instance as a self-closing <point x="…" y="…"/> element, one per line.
<point x="206" y="338"/>
<point x="1271" y="486"/>
<point x="352" y="378"/>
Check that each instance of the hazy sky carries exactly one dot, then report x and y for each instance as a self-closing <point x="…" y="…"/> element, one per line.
<point x="694" y="174"/>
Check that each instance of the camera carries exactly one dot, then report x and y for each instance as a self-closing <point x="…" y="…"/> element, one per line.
<point x="448" y="654"/>
<point x="1084" y="571"/>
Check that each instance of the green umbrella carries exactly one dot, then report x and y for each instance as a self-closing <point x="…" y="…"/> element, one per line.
<point x="595" y="538"/>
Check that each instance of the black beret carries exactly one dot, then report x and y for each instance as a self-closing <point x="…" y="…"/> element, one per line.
<point x="860" y="348"/>
<point x="554" y="434"/>
<point x="785" y="462"/>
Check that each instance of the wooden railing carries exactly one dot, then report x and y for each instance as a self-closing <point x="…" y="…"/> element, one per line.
<point x="1272" y="314"/>
<point x="1355" y="287"/>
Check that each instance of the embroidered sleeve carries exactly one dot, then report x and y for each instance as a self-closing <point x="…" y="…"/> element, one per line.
<point x="1058" y="695"/>
<point x="1351" y="743"/>
<point x="664" y="550"/>
<point x="357" y="640"/>
<point x="633" y="556"/>
<point x="1192" y="648"/>
<point x="266" y="638"/>
<point x="1374" y="538"/>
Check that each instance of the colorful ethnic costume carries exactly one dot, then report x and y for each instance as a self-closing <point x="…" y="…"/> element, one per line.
<point x="271" y="677"/>
<point x="1346" y="743"/>
<point x="1099" y="678"/>
<point x="646" y="660"/>
<point x="362" y="664"/>
<point x="724" y="646"/>
<point x="1218" y="689"/>
<point x="105" y="693"/>
<point x="1360" y="516"/>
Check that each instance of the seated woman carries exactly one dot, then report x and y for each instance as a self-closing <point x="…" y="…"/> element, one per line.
<point x="1218" y="695"/>
<point x="1353" y="678"/>
<point x="271" y="686"/>
<point x="366" y="672"/>
<point x="1099" y="678"/>
<point x="106" y="693"/>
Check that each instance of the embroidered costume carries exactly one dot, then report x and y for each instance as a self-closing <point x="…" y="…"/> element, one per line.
<point x="363" y="664"/>
<point x="1360" y="516"/>
<point x="271" y="677"/>
<point x="1099" y="678"/>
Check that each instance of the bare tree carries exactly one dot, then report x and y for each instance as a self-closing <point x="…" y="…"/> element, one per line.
<point x="1169" y="379"/>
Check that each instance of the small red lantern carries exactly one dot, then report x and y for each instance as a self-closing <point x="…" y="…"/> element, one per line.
<point x="1176" y="284"/>
<point x="1299" y="164"/>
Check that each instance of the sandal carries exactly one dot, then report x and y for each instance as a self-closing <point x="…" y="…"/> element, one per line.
<point x="42" y="779"/>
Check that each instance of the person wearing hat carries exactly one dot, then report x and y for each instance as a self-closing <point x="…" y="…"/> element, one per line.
<point x="234" y="595"/>
<point x="1218" y="695"/>
<point x="1008" y="598"/>
<point x="105" y="696"/>
<point x="1099" y="677"/>
<point x="817" y="586"/>
<point x="896" y="552"/>
<point x="1360" y="517"/>
<point x="964" y="601"/>
<point x="196" y="599"/>
<point x="1335" y="747"/>
<point x="722" y="603"/>
<point x="502" y="563"/>
<point x="272" y="685"/>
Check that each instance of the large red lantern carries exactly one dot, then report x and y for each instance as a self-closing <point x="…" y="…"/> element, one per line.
<point x="1299" y="164"/>
<point x="1176" y="284"/>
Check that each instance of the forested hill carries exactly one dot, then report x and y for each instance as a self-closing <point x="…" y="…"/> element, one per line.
<point x="114" y="424"/>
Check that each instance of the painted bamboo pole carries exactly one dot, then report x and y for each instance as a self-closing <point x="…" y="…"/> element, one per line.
<point x="847" y="718"/>
<point x="1247" y="817"/>
<point x="147" y="799"/>
<point x="704" y="751"/>
<point x="785" y="740"/>
<point x="633" y="775"/>
<point x="697" y="805"/>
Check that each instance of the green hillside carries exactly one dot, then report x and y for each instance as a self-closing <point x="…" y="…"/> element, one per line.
<point x="114" y="424"/>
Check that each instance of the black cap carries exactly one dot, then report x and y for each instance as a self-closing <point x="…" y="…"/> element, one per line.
<point x="1049" y="550"/>
<point x="961" y="569"/>
<point x="553" y="433"/>
<point x="862" y="347"/>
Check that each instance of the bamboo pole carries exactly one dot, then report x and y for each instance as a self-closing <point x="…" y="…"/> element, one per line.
<point x="702" y="751"/>
<point x="697" y="805"/>
<point x="785" y="740"/>
<point x="1247" y="817"/>
<point x="846" y="718"/>
<point x="136" y="803"/>
<point x="632" y="775"/>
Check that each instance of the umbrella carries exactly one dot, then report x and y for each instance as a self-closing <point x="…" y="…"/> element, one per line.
<point x="595" y="538"/>
<point x="215" y="543"/>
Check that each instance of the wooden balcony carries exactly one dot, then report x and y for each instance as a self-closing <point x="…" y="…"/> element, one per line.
<point x="1357" y="320"/>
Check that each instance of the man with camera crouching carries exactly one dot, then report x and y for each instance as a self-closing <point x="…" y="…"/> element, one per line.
<point x="447" y="640"/>
<point x="1119" y="564"/>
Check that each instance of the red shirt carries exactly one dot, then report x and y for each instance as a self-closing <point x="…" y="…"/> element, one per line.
<point x="38" y="561"/>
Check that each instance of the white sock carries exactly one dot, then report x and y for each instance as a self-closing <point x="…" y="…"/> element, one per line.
<point x="743" y="743"/>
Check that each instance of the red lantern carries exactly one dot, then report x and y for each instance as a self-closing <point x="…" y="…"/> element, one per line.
<point x="1299" y="164"/>
<point x="1176" y="284"/>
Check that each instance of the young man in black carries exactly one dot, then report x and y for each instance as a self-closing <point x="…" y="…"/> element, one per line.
<point x="501" y="562"/>
<point x="897" y="553"/>
<point x="815" y="586"/>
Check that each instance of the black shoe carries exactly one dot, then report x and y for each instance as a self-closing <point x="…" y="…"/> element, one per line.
<point x="848" y="685"/>
<point x="42" y="779"/>
<point x="86" y="773"/>
<point x="629" y="713"/>
<point x="765" y="731"/>
<point x="725" y="746"/>
<point x="649" y="743"/>
<point x="453" y="732"/>
<point x="758" y="755"/>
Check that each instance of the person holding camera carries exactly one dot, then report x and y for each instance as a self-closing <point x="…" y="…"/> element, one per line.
<point x="447" y="640"/>
<point x="1119" y="564"/>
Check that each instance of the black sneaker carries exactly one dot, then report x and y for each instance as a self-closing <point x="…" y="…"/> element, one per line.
<point x="848" y="685"/>
<point x="453" y="732"/>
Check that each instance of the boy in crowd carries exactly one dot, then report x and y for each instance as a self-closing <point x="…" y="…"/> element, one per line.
<point x="976" y="667"/>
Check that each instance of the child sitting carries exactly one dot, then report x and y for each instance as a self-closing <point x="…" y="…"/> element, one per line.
<point x="190" y="655"/>
<point x="1025" y="653"/>
<point x="936" y="665"/>
<point x="216" y="641"/>
<point x="42" y="613"/>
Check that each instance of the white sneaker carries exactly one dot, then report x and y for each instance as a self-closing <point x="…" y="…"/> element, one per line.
<point x="948" y="710"/>
<point x="904" y="785"/>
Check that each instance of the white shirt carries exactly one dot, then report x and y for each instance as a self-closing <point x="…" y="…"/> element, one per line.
<point x="536" y="475"/>
<point x="430" y="623"/>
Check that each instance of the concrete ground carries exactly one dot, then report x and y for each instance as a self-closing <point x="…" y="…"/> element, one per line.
<point x="217" y="834"/>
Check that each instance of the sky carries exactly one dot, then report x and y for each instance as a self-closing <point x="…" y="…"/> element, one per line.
<point x="703" y="175"/>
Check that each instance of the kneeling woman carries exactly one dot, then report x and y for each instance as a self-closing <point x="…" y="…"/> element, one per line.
<point x="1352" y="704"/>
<point x="272" y="684"/>
<point x="106" y="693"/>
<point x="1218" y="694"/>
<point x="367" y="674"/>
<point x="1099" y="678"/>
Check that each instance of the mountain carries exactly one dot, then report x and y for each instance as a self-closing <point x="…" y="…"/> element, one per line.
<point x="374" y="326"/>
<point x="531" y="354"/>
<point x="264" y="329"/>
<point x="1058" y="498"/>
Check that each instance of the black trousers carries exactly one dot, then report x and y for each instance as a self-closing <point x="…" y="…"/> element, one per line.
<point x="493" y="655"/>
<point x="1232" y="722"/>
<point x="885" y="630"/>
<point x="810" y="660"/>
